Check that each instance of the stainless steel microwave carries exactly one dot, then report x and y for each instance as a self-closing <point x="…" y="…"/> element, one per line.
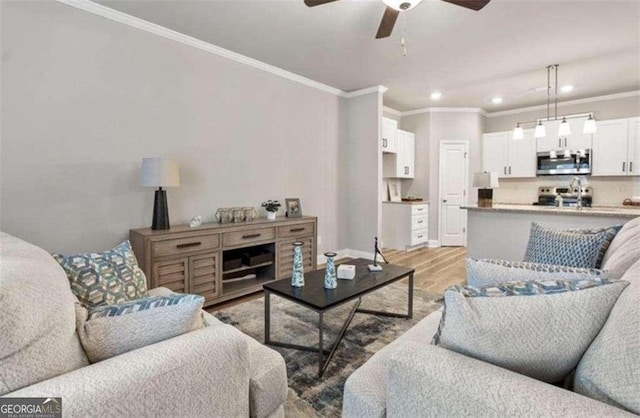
<point x="564" y="162"/>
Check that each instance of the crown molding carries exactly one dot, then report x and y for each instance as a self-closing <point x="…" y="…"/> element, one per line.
<point x="445" y="110"/>
<point x="362" y="92"/>
<point x="392" y="111"/>
<point x="141" y="24"/>
<point x="566" y="103"/>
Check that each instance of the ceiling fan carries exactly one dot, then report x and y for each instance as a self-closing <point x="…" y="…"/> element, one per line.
<point x="394" y="7"/>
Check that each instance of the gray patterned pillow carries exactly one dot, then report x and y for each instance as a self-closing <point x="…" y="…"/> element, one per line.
<point x="566" y="247"/>
<point x="611" y="231"/>
<point x="539" y="329"/>
<point x="491" y="272"/>
<point x="106" y="331"/>
<point x="105" y="278"/>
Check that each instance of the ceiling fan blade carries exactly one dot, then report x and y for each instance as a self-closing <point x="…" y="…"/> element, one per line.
<point x="312" y="3"/>
<point x="388" y="21"/>
<point x="469" y="4"/>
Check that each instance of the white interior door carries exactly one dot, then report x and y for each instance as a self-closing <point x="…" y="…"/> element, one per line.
<point x="453" y="193"/>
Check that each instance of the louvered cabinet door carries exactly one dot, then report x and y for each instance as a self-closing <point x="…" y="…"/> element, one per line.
<point x="203" y="274"/>
<point x="172" y="274"/>
<point x="285" y="256"/>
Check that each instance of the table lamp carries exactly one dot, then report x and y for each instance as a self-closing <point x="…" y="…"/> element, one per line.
<point x="485" y="182"/>
<point x="160" y="172"/>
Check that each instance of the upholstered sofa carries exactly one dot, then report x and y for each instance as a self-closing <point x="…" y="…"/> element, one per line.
<point x="214" y="371"/>
<point x="411" y="378"/>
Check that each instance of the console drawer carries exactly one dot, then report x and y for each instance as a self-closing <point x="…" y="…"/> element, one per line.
<point x="419" y="209"/>
<point x="244" y="237"/>
<point x="419" y="222"/>
<point x="420" y="236"/>
<point x="295" y="230"/>
<point x="185" y="245"/>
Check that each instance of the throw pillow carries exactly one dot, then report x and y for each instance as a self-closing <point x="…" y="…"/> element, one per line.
<point x="611" y="231"/>
<point x="609" y="371"/>
<point x="105" y="278"/>
<point x="106" y="331"/>
<point x="539" y="329"/>
<point x="490" y="272"/>
<point x="565" y="247"/>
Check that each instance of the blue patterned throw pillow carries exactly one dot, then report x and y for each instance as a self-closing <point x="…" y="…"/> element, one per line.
<point x="539" y="329"/>
<point x="105" y="278"/>
<point x="492" y="272"/>
<point x="110" y="330"/>
<point x="566" y="247"/>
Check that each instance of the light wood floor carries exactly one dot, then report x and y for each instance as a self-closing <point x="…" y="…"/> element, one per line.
<point x="436" y="270"/>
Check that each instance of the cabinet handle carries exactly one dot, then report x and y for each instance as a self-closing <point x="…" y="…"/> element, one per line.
<point x="419" y="209"/>
<point x="565" y="142"/>
<point x="296" y="229"/>
<point x="509" y="170"/>
<point x="384" y="142"/>
<point x="419" y="236"/>
<point x="420" y="222"/>
<point x="406" y="170"/>
<point x="624" y="164"/>
<point x="630" y="166"/>
<point x="505" y="170"/>
<point x="251" y="236"/>
<point x="191" y="244"/>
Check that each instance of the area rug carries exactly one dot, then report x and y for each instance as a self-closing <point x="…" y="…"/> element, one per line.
<point x="308" y="395"/>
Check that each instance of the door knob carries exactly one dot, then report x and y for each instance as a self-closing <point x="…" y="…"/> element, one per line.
<point x="444" y="200"/>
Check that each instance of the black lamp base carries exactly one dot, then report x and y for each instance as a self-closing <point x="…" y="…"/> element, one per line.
<point x="160" y="210"/>
<point x="485" y="198"/>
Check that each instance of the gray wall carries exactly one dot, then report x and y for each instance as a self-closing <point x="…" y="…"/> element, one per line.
<point x="363" y="173"/>
<point x="84" y="99"/>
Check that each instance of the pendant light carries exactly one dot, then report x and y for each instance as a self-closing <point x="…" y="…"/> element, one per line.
<point x="564" y="129"/>
<point x="540" y="131"/>
<point x="518" y="132"/>
<point x="590" y="125"/>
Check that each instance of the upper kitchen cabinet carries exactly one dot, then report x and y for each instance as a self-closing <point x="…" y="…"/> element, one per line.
<point x="614" y="148"/>
<point x="634" y="146"/>
<point x="508" y="157"/>
<point x="402" y="163"/>
<point x="389" y="140"/>
<point x="576" y="140"/>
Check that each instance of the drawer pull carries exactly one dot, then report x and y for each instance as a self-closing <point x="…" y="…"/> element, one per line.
<point x="191" y="244"/>
<point x="251" y="236"/>
<point x="296" y="230"/>
<point x="420" y="222"/>
<point x="419" y="236"/>
<point x="419" y="209"/>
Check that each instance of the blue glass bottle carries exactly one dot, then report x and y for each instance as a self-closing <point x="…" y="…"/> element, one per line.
<point x="330" y="279"/>
<point x="297" y="279"/>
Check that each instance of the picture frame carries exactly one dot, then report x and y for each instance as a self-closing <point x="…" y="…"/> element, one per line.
<point x="294" y="209"/>
<point x="394" y="190"/>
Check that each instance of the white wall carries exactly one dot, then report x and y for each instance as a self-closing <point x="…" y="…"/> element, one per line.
<point x="84" y="99"/>
<point x="607" y="190"/>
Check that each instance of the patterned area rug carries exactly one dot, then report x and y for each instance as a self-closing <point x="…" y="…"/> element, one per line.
<point x="308" y="395"/>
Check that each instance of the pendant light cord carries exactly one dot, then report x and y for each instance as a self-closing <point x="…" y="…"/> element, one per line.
<point x="556" y="89"/>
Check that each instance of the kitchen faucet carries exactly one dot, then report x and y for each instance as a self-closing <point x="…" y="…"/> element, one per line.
<point x="580" y="181"/>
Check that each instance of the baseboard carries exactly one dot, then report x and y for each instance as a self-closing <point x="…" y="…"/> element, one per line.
<point x="433" y="243"/>
<point x="347" y="253"/>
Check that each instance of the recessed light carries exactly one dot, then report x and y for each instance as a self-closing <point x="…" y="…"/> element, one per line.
<point x="496" y="100"/>
<point x="436" y="95"/>
<point x="566" y="89"/>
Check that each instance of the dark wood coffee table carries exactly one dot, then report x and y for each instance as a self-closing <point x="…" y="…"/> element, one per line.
<point x="315" y="297"/>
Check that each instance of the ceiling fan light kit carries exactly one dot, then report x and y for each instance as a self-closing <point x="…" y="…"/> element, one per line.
<point x="564" y="129"/>
<point x="395" y="7"/>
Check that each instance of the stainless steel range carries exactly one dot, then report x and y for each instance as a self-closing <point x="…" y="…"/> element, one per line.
<point x="547" y="196"/>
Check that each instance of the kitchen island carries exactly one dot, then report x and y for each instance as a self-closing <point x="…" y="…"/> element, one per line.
<point x="503" y="230"/>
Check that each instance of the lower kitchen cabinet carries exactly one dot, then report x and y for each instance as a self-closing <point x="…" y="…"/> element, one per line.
<point x="405" y="225"/>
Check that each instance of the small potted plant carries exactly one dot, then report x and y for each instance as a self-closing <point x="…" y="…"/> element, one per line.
<point x="272" y="207"/>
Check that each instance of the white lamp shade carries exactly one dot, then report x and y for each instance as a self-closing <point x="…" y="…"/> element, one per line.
<point x="518" y="133"/>
<point x="395" y="4"/>
<point x="564" y="129"/>
<point x="159" y="172"/>
<point x="590" y="126"/>
<point x="540" y="131"/>
<point x="486" y="180"/>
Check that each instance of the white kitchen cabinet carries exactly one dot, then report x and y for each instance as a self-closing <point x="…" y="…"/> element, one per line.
<point x="389" y="141"/>
<point x="508" y="157"/>
<point x="404" y="226"/>
<point x="576" y="140"/>
<point x="611" y="148"/>
<point x="402" y="163"/>
<point x="633" y="149"/>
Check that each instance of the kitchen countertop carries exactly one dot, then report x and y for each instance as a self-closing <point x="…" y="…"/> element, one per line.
<point x="413" y="202"/>
<point x="611" y="211"/>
